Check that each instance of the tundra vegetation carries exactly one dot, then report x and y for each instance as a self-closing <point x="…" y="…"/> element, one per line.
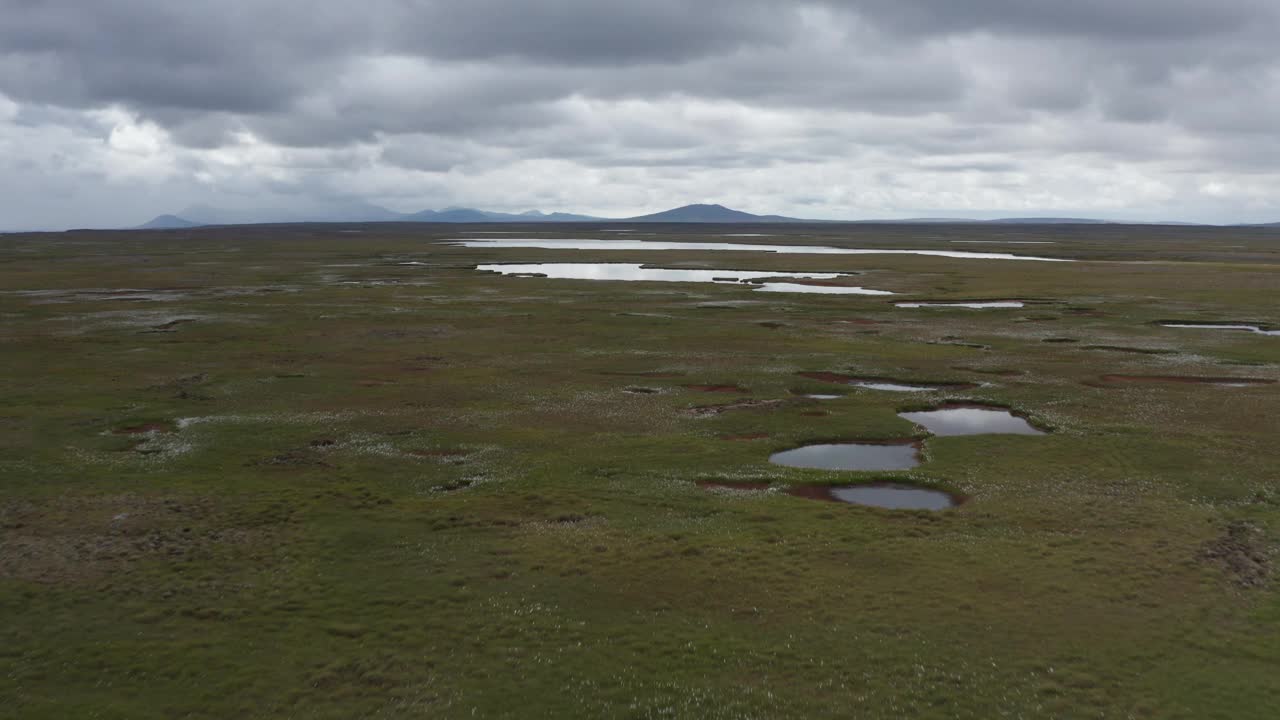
<point x="337" y="472"/>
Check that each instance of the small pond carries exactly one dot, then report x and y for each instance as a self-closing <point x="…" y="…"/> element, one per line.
<point x="951" y="420"/>
<point x="851" y="456"/>
<point x="891" y="496"/>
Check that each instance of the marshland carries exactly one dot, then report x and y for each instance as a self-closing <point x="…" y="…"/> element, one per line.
<point x="303" y="471"/>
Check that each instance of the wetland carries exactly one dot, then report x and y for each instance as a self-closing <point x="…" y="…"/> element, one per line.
<point x="270" y="471"/>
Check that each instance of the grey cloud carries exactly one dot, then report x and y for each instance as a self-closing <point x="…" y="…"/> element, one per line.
<point x="335" y="99"/>
<point x="1128" y="19"/>
<point x="253" y="55"/>
<point x="588" y="31"/>
<point x="500" y="64"/>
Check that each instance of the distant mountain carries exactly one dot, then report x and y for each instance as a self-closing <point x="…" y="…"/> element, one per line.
<point x="167" y="222"/>
<point x="561" y="217"/>
<point x="330" y="212"/>
<point x="451" y="215"/>
<point x="709" y="214"/>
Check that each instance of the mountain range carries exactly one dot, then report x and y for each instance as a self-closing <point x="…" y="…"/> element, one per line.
<point x="201" y="215"/>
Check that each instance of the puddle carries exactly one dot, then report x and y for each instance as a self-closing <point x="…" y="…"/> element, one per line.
<point x="816" y="396"/>
<point x="1187" y="379"/>
<point x="981" y="305"/>
<point x="851" y="456"/>
<point x="1005" y="242"/>
<point x="596" y="244"/>
<point x="637" y="272"/>
<point x="891" y="496"/>
<point x="960" y="419"/>
<point x="1256" y="329"/>
<point x="885" y="384"/>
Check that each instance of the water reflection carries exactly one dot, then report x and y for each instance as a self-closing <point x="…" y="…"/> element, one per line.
<point x="597" y="244"/>
<point x="950" y="421"/>
<point x="1257" y="329"/>
<point x="638" y="272"/>
<point x="850" y="456"/>
<point x="891" y="496"/>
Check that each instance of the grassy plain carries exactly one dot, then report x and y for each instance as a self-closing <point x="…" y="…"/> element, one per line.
<point x="274" y="472"/>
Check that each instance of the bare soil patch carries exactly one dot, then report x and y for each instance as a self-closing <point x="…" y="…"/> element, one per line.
<point x="1241" y="551"/>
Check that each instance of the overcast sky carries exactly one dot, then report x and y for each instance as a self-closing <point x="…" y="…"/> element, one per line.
<point x="112" y="111"/>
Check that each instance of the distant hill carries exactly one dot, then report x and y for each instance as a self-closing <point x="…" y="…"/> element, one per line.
<point x="1049" y="221"/>
<point x="357" y="211"/>
<point x="528" y="216"/>
<point x="709" y="214"/>
<point x="920" y="221"/>
<point x="167" y="222"/>
<point x="471" y="215"/>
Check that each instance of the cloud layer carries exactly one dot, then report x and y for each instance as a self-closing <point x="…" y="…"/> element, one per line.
<point x="111" y="112"/>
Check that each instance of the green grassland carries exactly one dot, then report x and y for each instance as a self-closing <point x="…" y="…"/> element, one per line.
<point x="274" y="472"/>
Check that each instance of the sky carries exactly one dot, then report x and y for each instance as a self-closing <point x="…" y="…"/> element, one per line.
<point x="114" y="112"/>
